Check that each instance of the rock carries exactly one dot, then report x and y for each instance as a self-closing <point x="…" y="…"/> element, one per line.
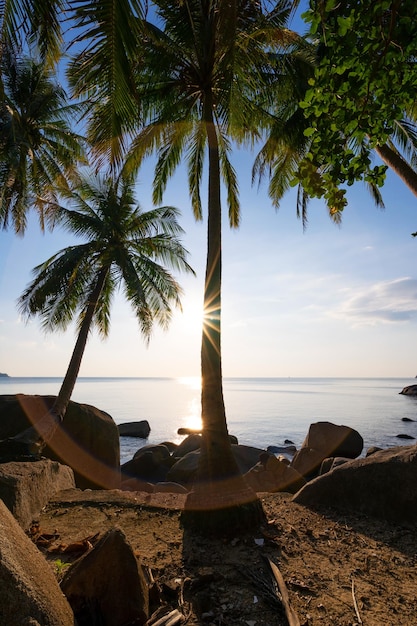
<point x="407" y="419"/>
<point x="107" y="585"/>
<point x="189" y="444"/>
<point x="372" y="450"/>
<point x="411" y="390"/>
<point x="29" y="592"/>
<point x="272" y="475"/>
<point x="170" y="445"/>
<point x="324" y="440"/>
<point x="246" y="456"/>
<point x="135" y="429"/>
<point x="170" y="487"/>
<point x="135" y="484"/>
<point x="150" y="463"/>
<point x="382" y="485"/>
<point x="330" y="463"/>
<point x="189" y="431"/>
<point x="87" y="440"/>
<point x="404" y="436"/>
<point x="290" y="450"/>
<point x="185" y="469"/>
<point x="26" y="487"/>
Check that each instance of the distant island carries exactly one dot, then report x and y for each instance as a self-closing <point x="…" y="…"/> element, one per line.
<point x="3" y="375"/>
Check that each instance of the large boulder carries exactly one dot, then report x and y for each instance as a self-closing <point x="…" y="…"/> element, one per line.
<point x="107" y="585"/>
<point x="26" y="487"/>
<point x="150" y="463"/>
<point x="135" y="429"/>
<point x="29" y="592"/>
<point x="185" y="469"/>
<point x="189" y="444"/>
<point x="324" y="440"/>
<point x="87" y="440"/>
<point x="272" y="475"/>
<point x="382" y="485"/>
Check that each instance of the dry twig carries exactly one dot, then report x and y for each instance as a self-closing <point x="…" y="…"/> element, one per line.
<point x="355" y="604"/>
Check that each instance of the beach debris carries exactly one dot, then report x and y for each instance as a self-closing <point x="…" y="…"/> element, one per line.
<point x="355" y="604"/>
<point x="289" y="611"/>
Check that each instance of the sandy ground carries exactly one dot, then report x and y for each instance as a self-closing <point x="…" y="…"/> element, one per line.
<point x="339" y="570"/>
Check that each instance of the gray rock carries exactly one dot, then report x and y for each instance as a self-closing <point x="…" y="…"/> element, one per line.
<point x="382" y="485"/>
<point x="134" y="429"/>
<point x="26" y="487"/>
<point x="290" y="450"/>
<point x="332" y="462"/>
<point x="185" y="468"/>
<point x="150" y="463"/>
<point x="372" y="450"/>
<point x="107" y="585"/>
<point x="87" y="440"/>
<point x="189" y="444"/>
<point x="272" y="475"/>
<point x="29" y="592"/>
<point x="410" y="390"/>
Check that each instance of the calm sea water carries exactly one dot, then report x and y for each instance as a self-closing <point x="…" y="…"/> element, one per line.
<point x="260" y="411"/>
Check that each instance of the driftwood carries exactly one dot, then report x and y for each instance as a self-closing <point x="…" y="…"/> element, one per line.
<point x="289" y="611"/>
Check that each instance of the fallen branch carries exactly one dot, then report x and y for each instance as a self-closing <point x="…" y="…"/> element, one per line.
<point x="289" y="611"/>
<point x="355" y="604"/>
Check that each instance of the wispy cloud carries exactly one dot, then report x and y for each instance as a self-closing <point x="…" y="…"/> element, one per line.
<point x="384" y="302"/>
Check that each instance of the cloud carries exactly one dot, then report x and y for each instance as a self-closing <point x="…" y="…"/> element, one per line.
<point x="384" y="302"/>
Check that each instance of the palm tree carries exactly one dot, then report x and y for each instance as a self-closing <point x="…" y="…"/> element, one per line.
<point x="203" y="84"/>
<point x="124" y="246"/>
<point x="38" y="149"/>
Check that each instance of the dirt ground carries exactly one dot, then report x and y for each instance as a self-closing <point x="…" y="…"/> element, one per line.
<point x="339" y="570"/>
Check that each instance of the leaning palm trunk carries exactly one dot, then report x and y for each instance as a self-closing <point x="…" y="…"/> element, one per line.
<point x="33" y="440"/>
<point x="220" y="499"/>
<point x="399" y="166"/>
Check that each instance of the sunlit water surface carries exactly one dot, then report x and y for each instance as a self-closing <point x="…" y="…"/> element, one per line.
<point x="260" y="411"/>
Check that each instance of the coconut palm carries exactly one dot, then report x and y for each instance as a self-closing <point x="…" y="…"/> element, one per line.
<point x="38" y="149"/>
<point x="203" y="83"/>
<point x="123" y="246"/>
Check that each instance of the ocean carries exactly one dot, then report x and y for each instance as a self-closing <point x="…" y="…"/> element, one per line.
<point x="260" y="411"/>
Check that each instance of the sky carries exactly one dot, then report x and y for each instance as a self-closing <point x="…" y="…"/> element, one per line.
<point x="331" y="301"/>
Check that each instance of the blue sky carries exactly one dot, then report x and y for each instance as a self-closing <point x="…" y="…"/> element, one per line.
<point x="330" y="301"/>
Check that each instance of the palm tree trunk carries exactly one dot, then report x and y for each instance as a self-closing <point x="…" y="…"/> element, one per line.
<point x="220" y="501"/>
<point x="67" y="387"/>
<point x="33" y="440"/>
<point x="217" y="460"/>
<point x="399" y="166"/>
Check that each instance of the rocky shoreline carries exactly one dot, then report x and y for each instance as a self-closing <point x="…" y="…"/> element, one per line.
<point x="329" y="473"/>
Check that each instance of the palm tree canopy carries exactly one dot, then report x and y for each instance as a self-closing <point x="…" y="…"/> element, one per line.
<point x="202" y="56"/>
<point x="130" y="246"/>
<point x="38" y="149"/>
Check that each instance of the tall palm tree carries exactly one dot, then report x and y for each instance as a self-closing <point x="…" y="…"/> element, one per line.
<point x="123" y="246"/>
<point x="38" y="149"/>
<point x="202" y="82"/>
